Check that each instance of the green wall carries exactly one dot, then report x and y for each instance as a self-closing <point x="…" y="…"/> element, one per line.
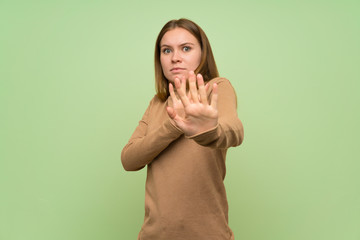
<point x="76" y="77"/>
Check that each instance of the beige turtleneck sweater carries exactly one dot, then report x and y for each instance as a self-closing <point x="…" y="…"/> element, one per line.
<point x="185" y="196"/>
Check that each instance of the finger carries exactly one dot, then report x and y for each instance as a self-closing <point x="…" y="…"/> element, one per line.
<point x="189" y="96"/>
<point x="206" y="87"/>
<point x="202" y="91"/>
<point x="183" y="83"/>
<point x="172" y="93"/>
<point x="171" y="112"/>
<point x="214" y="96"/>
<point x="192" y="87"/>
<point x="184" y="99"/>
<point x="183" y="86"/>
<point x="177" y="83"/>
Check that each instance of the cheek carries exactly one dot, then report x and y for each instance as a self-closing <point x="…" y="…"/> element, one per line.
<point x="163" y="63"/>
<point x="197" y="59"/>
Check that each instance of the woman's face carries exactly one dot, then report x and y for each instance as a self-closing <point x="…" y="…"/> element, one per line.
<point x="180" y="52"/>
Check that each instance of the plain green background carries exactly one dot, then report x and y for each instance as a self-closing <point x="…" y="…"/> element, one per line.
<point x="76" y="77"/>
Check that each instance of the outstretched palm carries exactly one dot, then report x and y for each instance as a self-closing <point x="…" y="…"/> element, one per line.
<point x="192" y="113"/>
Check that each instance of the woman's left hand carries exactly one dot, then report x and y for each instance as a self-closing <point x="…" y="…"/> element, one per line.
<point x="200" y="115"/>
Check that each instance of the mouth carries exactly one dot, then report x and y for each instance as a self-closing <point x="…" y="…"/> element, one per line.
<point x="177" y="69"/>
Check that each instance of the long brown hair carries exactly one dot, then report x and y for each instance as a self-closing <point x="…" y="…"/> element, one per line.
<point x="207" y="67"/>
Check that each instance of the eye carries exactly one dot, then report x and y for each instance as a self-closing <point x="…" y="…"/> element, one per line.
<point x="186" y="48"/>
<point x="166" y="50"/>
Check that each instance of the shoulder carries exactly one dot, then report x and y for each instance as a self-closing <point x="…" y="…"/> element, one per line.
<point x="222" y="83"/>
<point x="219" y="80"/>
<point x="225" y="90"/>
<point x="156" y="102"/>
<point x="153" y="106"/>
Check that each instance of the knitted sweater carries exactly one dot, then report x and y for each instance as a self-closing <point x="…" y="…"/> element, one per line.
<point x="185" y="196"/>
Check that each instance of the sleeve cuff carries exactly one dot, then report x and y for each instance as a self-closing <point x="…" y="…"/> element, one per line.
<point x="172" y="128"/>
<point x="206" y="137"/>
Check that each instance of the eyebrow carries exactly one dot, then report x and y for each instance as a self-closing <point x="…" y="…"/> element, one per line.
<point x="186" y="43"/>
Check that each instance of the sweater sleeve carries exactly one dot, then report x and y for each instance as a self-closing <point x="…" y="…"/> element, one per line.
<point x="145" y="143"/>
<point x="229" y="131"/>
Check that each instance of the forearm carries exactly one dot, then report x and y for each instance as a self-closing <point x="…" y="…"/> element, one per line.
<point x="226" y="134"/>
<point x="141" y="151"/>
<point x="229" y="131"/>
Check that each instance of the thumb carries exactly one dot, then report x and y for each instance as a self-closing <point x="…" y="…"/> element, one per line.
<point x="171" y="112"/>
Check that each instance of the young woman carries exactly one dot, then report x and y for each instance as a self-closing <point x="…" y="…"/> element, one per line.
<point x="183" y="138"/>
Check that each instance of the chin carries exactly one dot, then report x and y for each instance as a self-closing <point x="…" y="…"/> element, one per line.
<point x="179" y="76"/>
<point x="171" y="80"/>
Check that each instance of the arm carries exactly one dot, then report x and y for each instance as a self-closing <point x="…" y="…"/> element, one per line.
<point x="208" y="116"/>
<point x="145" y="144"/>
<point x="229" y="130"/>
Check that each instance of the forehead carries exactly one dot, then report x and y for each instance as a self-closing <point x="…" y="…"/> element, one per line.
<point x="178" y="36"/>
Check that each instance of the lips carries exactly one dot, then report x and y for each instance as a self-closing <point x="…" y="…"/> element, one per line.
<point x="177" y="69"/>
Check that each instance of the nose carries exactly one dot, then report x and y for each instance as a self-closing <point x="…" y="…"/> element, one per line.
<point x="176" y="57"/>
